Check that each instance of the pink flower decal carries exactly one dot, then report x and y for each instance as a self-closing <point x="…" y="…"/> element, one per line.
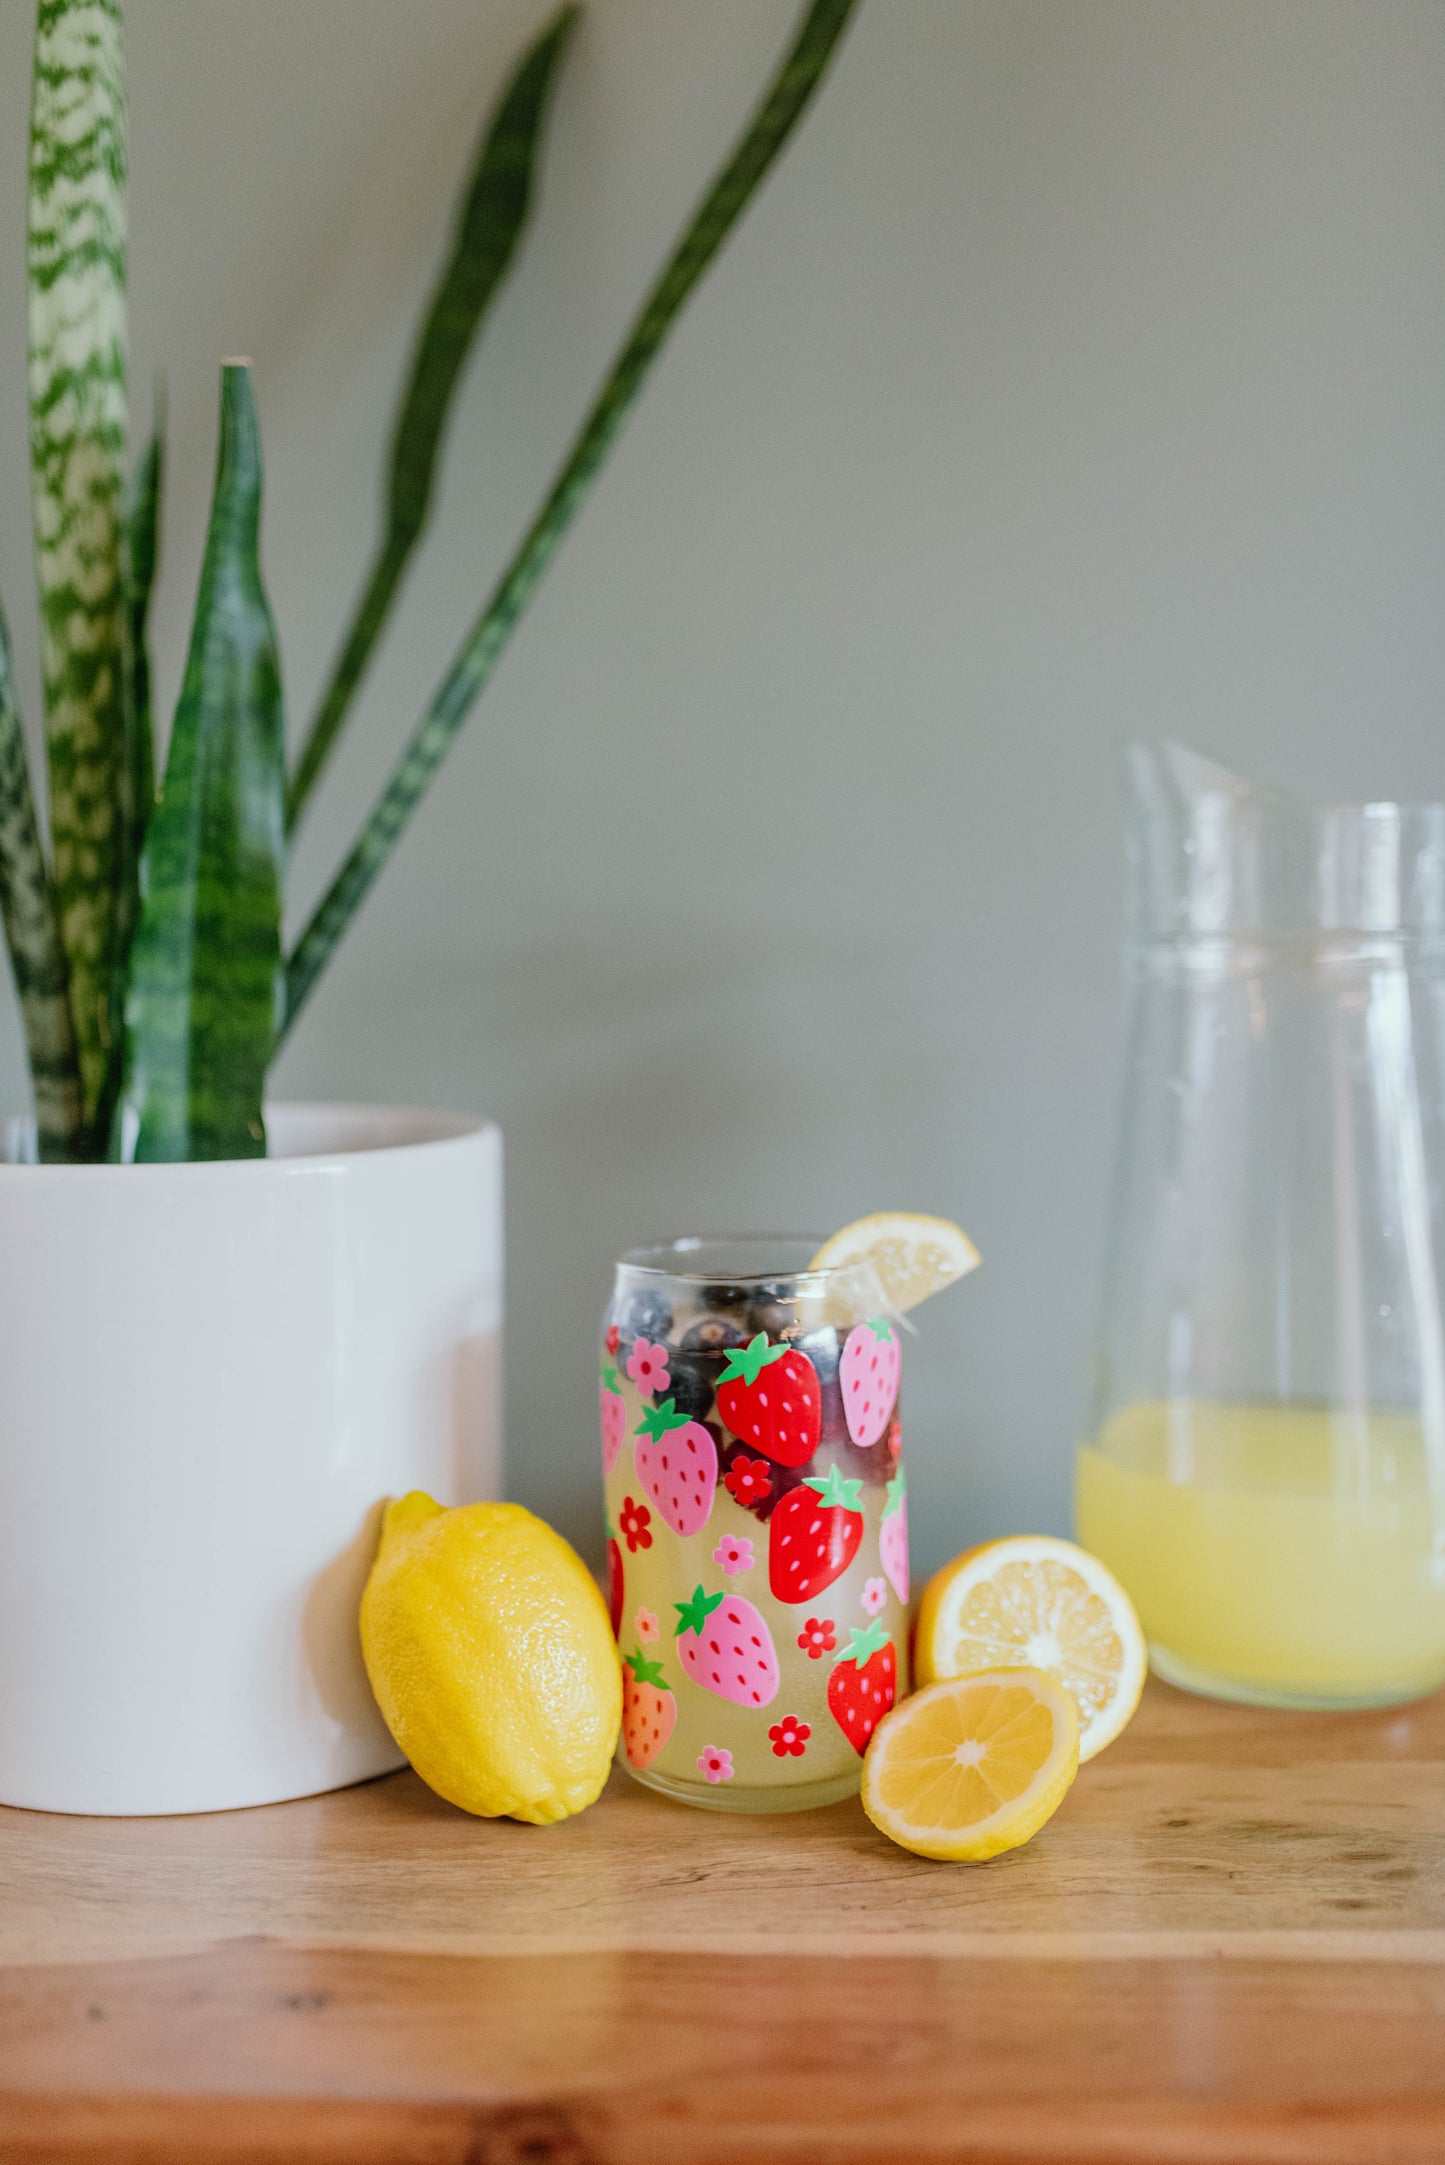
<point x="646" y="1624"/>
<point x="789" y="1735"/>
<point x="647" y="1366"/>
<point x="734" y="1553"/>
<point x="612" y="1340"/>
<point x="875" y="1597"/>
<point x="816" y="1637"/>
<point x="716" y="1764"/>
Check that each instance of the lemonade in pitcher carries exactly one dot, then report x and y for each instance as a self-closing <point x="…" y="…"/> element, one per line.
<point x="1291" y="1549"/>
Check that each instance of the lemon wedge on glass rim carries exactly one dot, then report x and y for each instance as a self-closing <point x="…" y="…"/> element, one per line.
<point x="913" y="1256"/>
<point x="1034" y="1599"/>
<point x="974" y="1765"/>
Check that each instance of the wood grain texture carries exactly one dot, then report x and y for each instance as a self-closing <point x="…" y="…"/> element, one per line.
<point x="1229" y="1946"/>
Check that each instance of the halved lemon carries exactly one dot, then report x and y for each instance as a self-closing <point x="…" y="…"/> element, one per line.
<point x="913" y="1256"/>
<point x="1036" y="1600"/>
<point x="974" y="1765"/>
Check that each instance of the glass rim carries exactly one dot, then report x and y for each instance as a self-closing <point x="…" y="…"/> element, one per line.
<point x="669" y="1259"/>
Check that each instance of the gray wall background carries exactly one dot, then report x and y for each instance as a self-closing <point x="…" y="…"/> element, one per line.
<point x="1080" y="373"/>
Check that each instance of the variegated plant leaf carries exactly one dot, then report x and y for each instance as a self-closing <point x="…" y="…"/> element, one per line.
<point x="77" y="252"/>
<point x="770" y="128"/>
<point x="139" y="777"/>
<point x="490" y="222"/>
<point x="205" y="973"/>
<point x="143" y="528"/>
<point x="33" y="937"/>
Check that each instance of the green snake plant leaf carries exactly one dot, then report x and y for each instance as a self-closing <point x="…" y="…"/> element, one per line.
<point x="773" y="122"/>
<point x="492" y="217"/>
<point x="205" y="974"/>
<point x="143" y="526"/>
<point x="77" y="253"/>
<point x="139" y="780"/>
<point x="33" y="936"/>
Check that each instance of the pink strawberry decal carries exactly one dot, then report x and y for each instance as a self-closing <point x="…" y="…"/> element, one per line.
<point x="614" y="1418"/>
<point x="770" y="1398"/>
<point x="893" y="1537"/>
<point x="649" y="1709"/>
<point x="864" y="1684"/>
<point x="616" y="1595"/>
<point x="725" y="1645"/>
<point x="813" y="1536"/>
<point x="869" y="1372"/>
<point x="676" y="1462"/>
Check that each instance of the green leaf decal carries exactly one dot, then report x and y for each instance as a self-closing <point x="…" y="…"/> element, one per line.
<point x="491" y="221"/>
<point x="205" y="973"/>
<point x="693" y="1614"/>
<point x="36" y="955"/>
<point x="660" y="1420"/>
<point x="746" y="1363"/>
<point x="645" y="1671"/>
<point x="896" y="1492"/>
<point x="771" y="126"/>
<point x="77" y="251"/>
<point x="836" y="1494"/>
<point x="863" y="1644"/>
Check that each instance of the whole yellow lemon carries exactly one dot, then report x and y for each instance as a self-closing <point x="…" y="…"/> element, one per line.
<point x="492" y="1659"/>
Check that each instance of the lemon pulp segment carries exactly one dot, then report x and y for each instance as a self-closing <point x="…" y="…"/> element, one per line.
<point x="972" y="1766"/>
<point x="1036" y="1600"/>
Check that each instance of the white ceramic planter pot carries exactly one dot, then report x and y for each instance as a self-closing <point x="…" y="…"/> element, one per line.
<point x="210" y="1378"/>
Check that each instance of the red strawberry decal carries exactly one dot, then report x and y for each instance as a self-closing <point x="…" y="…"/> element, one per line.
<point x="813" y="1536"/>
<point x="615" y="1595"/>
<point x="770" y="1398"/>
<point x="863" y="1685"/>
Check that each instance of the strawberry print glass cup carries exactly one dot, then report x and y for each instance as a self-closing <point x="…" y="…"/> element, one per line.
<point x="757" y="1529"/>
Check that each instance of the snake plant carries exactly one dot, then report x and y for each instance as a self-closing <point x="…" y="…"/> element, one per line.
<point x="147" y="947"/>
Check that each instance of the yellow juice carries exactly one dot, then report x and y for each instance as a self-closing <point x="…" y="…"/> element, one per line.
<point x="1286" y="1553"/>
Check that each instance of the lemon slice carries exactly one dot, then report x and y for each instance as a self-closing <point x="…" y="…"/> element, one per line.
<point x="913" y="1256"/>
<point x="973" y="1765"/>
<point x="1040" y="1601"/>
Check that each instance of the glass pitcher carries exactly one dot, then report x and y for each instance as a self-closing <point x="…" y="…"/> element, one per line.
<point x="1266" y="1462"/>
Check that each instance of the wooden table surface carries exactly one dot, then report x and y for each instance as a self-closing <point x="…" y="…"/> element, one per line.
<point x="1228" y="1945"/>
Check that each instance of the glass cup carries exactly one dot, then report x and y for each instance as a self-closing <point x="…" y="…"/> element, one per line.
<point x="757" y="1529"/>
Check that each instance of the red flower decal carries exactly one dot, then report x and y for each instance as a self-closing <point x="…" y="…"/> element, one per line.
<point x="749" y="1480"/>
<point x="613" y="1339"/>
<point x="816" y="1637"/>
<point x="636" y="1522"/>
<point x="789" y="1735"/>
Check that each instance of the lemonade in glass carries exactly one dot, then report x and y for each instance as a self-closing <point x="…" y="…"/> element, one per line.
<point x="757" y="1523"/>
